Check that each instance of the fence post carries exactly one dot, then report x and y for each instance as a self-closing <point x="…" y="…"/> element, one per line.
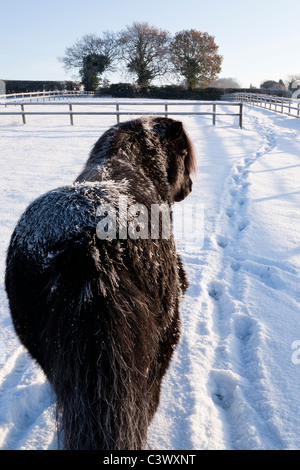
<point x="71" y="114"/>
<point x="166" y="109"/>
<point x="214" y="114"/>
<point x="23" y="115"/>
<point x="241" y="116"/>
<point x="117" y="111"/>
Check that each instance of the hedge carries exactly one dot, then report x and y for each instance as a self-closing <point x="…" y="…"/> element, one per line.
<point x="176" y="92"/>
<point x="127" y="90"/>
<point x="26" y="86"/>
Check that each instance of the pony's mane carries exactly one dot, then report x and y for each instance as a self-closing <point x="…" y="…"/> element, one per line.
<point x="191" y="161"/>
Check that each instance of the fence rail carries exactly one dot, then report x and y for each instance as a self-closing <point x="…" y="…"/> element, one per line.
<point x="42" y="95"/>
<point x="118" y="112"/>
<point x="288" y="106"/>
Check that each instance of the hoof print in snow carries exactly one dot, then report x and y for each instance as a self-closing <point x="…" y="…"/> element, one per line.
<point x="271" y="276"/>
<point x="243" y="327"/>
<point x="216" y="290"/>
<point x="235" y="266"/>
<point x="237" y="178"/>
<point x="243" y="224"/>
<point x="222" y="241"/>
<point x="230" y="212"/>
<point x="224" y="383"/>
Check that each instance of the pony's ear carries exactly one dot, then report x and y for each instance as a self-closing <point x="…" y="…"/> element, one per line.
<point x="175" y="130"/>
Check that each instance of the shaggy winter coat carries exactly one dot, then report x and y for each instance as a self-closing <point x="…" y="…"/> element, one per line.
<point x="101" y="316"/>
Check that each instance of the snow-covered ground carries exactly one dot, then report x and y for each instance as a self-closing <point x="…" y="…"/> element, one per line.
<point x="234" y="380"/>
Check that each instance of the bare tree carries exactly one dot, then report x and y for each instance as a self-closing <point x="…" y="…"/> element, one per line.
<point x="145" y="50"/>
<point x="273" y="85"/>
<point x="91" y="55"/>
<point x="195" y="57"/>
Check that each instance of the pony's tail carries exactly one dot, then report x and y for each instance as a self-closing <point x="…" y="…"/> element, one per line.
<point x="102" y="391"/>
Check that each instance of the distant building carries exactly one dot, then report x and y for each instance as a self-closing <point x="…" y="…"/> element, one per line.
<point x="2" y="87"/>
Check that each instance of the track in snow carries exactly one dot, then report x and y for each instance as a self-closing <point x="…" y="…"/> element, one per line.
<point x="239" y="333"/>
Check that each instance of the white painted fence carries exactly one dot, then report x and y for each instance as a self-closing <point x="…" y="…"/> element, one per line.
<point x="42" y="95"/>
<point x="117" y="111"/>
<point x="288" y="106"/>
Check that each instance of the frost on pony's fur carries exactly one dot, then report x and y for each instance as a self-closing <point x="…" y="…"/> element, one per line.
<point x="62" y="214"/>
<point x="101" y="317"/>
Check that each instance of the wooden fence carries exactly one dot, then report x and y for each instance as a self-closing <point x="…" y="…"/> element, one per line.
<point x="288" y="106"/>
<point x="71" y="112"/>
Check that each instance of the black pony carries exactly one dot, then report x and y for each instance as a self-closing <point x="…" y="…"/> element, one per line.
<point x="100" y="313"/>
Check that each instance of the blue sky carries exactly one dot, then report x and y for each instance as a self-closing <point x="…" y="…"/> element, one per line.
<point x="259" y="40"/>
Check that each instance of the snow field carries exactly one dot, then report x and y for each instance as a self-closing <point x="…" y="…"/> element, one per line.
<point x="232" y="383"/>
